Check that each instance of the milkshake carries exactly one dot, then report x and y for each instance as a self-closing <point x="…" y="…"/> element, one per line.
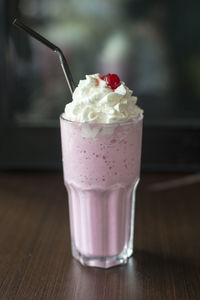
<point x="101" y="131"/>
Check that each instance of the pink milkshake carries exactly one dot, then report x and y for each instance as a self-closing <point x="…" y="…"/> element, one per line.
<point x="101" y="163"/>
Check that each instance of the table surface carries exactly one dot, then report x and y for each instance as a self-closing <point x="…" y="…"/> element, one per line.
<point x="35" y="254"/>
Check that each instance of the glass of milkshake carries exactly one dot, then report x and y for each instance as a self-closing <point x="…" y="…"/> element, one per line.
<point x="101" y="133"/>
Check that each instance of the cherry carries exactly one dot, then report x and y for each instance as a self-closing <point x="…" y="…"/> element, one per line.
<point x="112" y="80"/>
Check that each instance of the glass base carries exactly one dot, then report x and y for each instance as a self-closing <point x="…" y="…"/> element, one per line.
<point x="102" y="262"/>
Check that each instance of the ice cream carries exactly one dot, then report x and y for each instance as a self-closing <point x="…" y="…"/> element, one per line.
<point x="102" y="99"/>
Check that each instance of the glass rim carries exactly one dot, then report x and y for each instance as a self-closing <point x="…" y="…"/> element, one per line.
<point x="132" y="121"/>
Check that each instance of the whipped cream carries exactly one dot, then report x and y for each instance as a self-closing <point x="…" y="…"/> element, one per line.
<point x="94" y="101"/>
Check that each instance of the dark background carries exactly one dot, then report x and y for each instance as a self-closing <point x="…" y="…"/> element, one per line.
<point x="152" y="45"/>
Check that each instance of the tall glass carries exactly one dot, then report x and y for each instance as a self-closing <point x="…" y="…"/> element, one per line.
<point x="101" y="164"/>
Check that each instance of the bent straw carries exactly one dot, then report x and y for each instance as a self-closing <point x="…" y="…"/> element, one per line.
<point x="63" y="61"/>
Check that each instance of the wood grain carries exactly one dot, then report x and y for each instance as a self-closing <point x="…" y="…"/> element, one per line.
<point x="35" y="255"/>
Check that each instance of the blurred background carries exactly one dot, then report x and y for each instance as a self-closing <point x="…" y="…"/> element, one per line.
<point x="153" y="45"/>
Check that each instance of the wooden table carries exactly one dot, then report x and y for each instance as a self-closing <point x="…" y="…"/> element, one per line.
<point x="35" y="257"/>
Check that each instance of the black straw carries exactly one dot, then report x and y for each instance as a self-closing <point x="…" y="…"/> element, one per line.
<point x="63" y="61"/>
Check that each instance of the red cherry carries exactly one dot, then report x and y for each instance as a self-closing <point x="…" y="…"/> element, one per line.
<point x="112" y="80"/>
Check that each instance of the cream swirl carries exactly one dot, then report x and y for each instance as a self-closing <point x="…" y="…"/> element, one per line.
<point x="93" y="101"/>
